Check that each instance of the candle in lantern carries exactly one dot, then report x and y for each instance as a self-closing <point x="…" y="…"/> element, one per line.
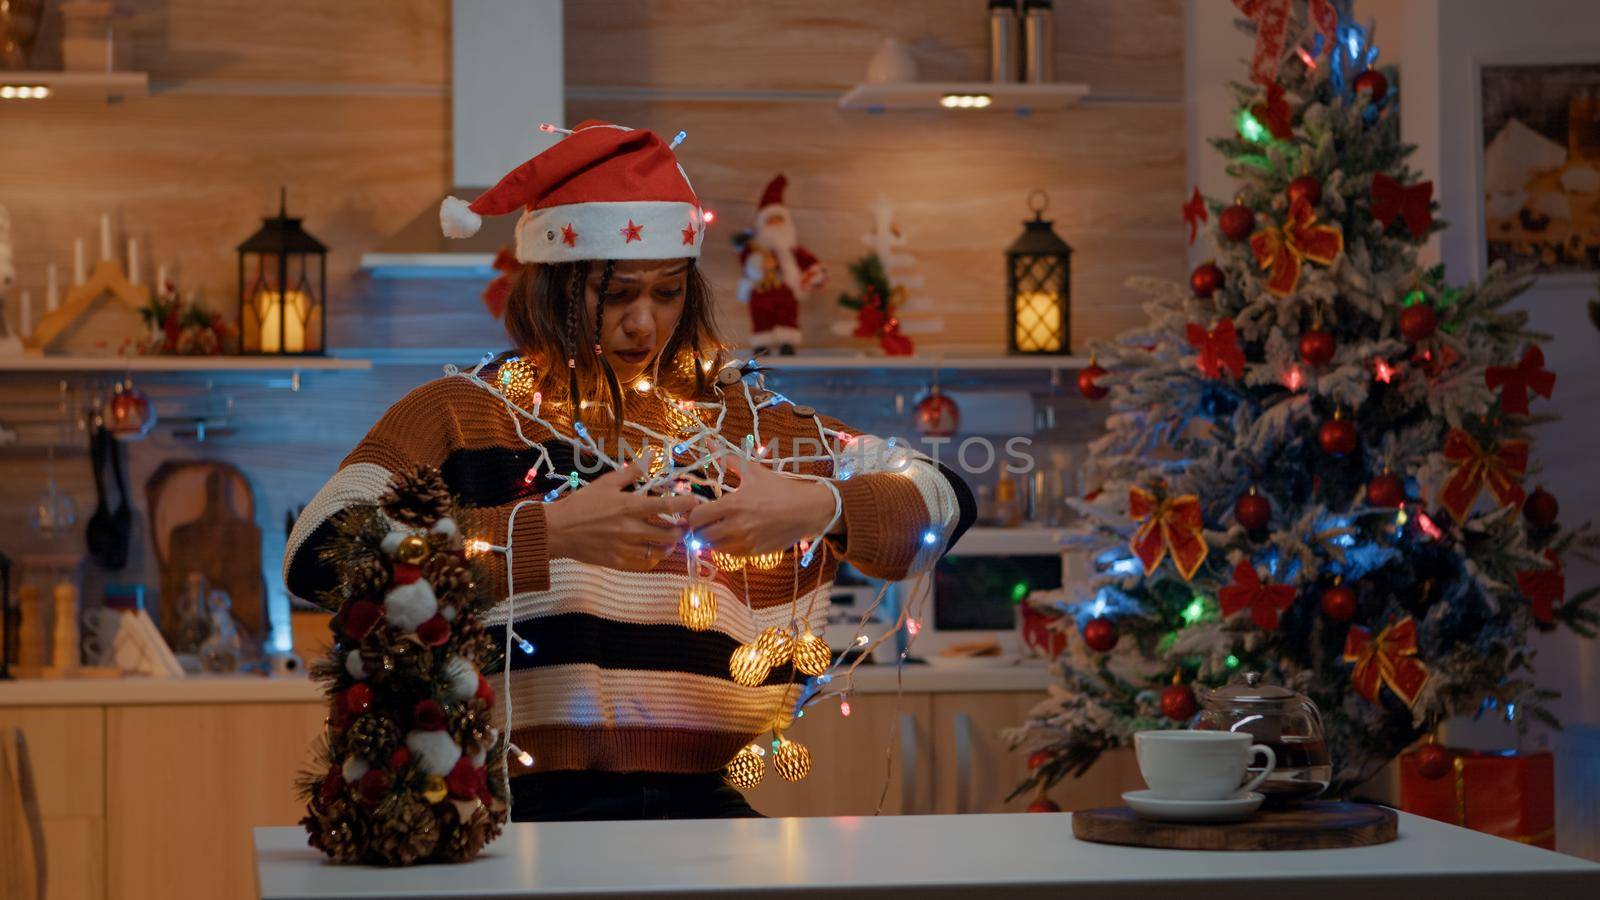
<point x="161" y="279"/>
<point x="1038" y="323"/>
<point x="105" y="235"/>
<point x="25" y="326"/>
<point x="133" y="260"/>
<point x="79" y="273"/>
<point x="52" y="292"/>
<point x="290" y="317"/>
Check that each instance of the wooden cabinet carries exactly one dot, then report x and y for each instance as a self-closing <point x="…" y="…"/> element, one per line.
<point x="66" y="748"/>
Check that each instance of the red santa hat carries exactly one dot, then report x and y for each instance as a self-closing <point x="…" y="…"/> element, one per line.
<point x="772" y="194"/>
<point x="603" y="192"/>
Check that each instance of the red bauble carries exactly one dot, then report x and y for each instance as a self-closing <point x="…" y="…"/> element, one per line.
<point x="1372" y="82"/>
<point x="1317" y="346"/>
<point x="1541" y="508"/>
<point x="435" y="632"/>
<point x="1339" y="603"/>
<point x="399" y="758"/>
<point x="485" y="692"/>
<point x="406" y="573"/>
<point x="1043" y="805"/>
<point x="1237" y="222"/>
<point x="1337" y="437"/>
<point x="373" y="786"/>
<point x="1386" y="490"/>
<point x="332" y="785"/>
<point x="130" y="413"/>
<point x="1088" y="379"/>
<point x="360" y="617"/>
<point x="1038" y="758"/>
<point x="1252" y="510"/>
<point x="1305" y="188"/>
<point x="1417" y="322"/>
<point x="1177" y="702"/>
<point x="428" y="716"/>
<point x="937" y="415"/>
<point x="1100" y="633"/>
<point x="357" y="698"/>
<point x="1434" y="761"/>
<point x="1205" y="279"/>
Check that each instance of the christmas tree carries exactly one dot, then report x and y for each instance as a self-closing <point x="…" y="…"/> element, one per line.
<point x="1317" y="462"/>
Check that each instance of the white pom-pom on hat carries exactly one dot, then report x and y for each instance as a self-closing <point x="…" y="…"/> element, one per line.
<point x="434" y="751"/>
<point x="457" y="220"/>
<point x="409" y="605"/>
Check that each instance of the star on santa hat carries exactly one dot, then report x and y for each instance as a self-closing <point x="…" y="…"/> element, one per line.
<point x="568" y="235"/>
<point x="631" y="232"/>
<point x="688" y="235"/>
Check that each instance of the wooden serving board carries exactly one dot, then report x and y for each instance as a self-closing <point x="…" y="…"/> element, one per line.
<point x="1312" y="826"/>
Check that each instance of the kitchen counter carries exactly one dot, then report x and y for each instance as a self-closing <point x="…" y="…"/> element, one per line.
<point x="1017" y="855"/>
<point x="136" y="691"/>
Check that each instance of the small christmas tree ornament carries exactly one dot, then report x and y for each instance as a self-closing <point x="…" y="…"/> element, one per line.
<point x="1237" y="222"/>
<point x="1373" y="84"/>
<point x="811" y="653"/>
<point x="1264" y="600"/>
<point x="792" y="761"/>
<point x="936" y="415"/>
<point x="1317" y="346"/>
<point x="1339" y="603"/>
<point x="697" y="606"/>
<point x="1305" y="188"/>
<point x="1252" y="510"/>
<point x="1177" y="701"/>
<point x="777" y="644"/>
<point x="1386" y="490"/>
<point x="749" y="666"/>
<point x="412" y="550"/>
<point x="1433" y="761"/>
<point x="1039" y="757"/>
<point x="747" y="768"/>
<point x="1418" y="322"/>
<point x="1205" y="279"/>
<point x="1100" y="633"/>
<point x="1541" y="508"/>
<point x="1337" y="436"/>
<point x="1089" y="380"/>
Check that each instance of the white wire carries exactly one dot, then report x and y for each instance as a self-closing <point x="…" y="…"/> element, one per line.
<point x="505" y="668"/>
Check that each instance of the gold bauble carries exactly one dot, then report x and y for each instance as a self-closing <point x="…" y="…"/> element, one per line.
<point x="749" y="666"/>
<point x="765" y="560"/>
<point x="746" y="769"/>
<point x="413" y="550"/>
<point x="811" y="654"/>
<point x="727" y="562"/>
<point x="777" y="643"/>
<point x="697" y="607"/>
<point x="433" y="789"/>
<point x="792" y="760"/>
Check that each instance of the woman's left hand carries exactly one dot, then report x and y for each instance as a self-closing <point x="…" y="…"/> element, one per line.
<point x="768" y="512"/>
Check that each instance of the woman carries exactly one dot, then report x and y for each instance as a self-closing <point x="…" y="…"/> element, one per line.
<point x="626" y="710"/>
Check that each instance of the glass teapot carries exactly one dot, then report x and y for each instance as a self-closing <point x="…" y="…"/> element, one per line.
<point x="1286" y="721"/>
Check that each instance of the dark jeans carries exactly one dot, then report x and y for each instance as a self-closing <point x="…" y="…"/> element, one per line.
<point x="606" y="796"/>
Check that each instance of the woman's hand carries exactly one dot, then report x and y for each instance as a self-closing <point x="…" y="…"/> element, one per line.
<point x="605" y="524"/>
<point x="768" y="512"/>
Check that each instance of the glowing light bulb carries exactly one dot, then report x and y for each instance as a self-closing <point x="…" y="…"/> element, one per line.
<point x="477" y="546"/>
<point x="696" y="545"/>
<point x="1195" y="609"/>
<point x="1294" y="379"/>
<point x="532" y="474"/>
<point x="578" y="427"/>
<point x="708" y="216"/>
<point x="930" y="536"/>
<point x="1382" y="371"/>
<point x="523" y="644"/>
<point x="861" y="640"/>
<point x="642" y="385"/>
<point x="1249" y="128"/>
<point x="913" y="627"/>
<point x="824" y="678"/>
<point x="524" y="757"/>
<point x="550" y="496"/>
<point x="1428" y="527"/>
<point x="1400" y="516"/>
<point x="1231" y="662"/>
<point x="844" y="707"/>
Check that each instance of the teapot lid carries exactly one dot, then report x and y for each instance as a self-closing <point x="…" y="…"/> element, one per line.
<point x="1251" y="690"/>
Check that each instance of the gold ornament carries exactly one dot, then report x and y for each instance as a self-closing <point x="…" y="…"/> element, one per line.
<point x="765" y="560"/>
<point x="697" y="607"/>
<point x="727" y="562"/>
<point x="747" y="768"/>
<point x="413" y="550"/>
<point x="792" y="760"/>
<point x="749" y="665"/>
<point x="433" y="789"/>
<point x="811" y="654"/>
<point x="777" y="644"/>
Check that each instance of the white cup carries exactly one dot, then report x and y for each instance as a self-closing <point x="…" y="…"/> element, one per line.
<point x="1199" y="765"/>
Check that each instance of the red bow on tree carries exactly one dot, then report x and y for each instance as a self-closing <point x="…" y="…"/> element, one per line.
<point x="1283" y="250"/>
<point x="1265" y="601"/>
<point x="1516" y="381"/>
<point x="1274" y="113"/>
<point x="1389" y="659"/>
<point x="1272" y="22"/>
<point x="1544" y="588"/>
<point x="1219" y="348"/>
<point x="1194" y="212"/>
<point x="1391" y="199"/>
<point x="1173" y="525"/>
<point x="1502" y="466"/>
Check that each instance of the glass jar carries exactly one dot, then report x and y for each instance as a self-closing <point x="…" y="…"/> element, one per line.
<point x="1287" y="722"/>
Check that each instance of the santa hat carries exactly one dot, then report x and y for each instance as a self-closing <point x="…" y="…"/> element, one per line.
<point x="772" y="194"/>
<point x="603" y="192"/>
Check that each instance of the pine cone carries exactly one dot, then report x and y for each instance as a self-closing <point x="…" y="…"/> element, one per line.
<point x="469" y="723"/>
<point x="373" y="737"/>
<point x="447" y="575"/>
<point x="463" y="841"/>
<point x="339" y="832"/>
<point x="404" y="831"/>
<point x="367" y="578"/>
<point x="476" y="645"/>
<point x="417" y="499"/>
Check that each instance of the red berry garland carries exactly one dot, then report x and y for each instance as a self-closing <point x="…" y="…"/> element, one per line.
<point x="1100" y="633"/>
<point x="1386" y="490"/>
<point x="1434" y="762"/>
<point x="1305" y="188"/>
<point x="1336" y="437"/>
<point x="1417" y="322"/>
<point x="1339" y="603"/>
<point x="1541" y="508"/>
<point x="1177" y="702"/>
<point x="1252" y="510"/>
<point x="1372" y="82"/>
<point x="1088" y="378"/>
<point x="1317" y="346"/>
<point x="1205" y="279"/>
<point x="1237" y="222"/>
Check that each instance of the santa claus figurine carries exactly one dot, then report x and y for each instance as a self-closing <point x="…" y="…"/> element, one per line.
<point x="776" y="273"/>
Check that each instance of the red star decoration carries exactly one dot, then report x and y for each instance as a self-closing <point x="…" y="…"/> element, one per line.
<point x="568" y="235"/>
<point x="1194" y="212"/>
<point x="1516" y="381"/>
<point x="1265" y="601"/>
<point x="688" y="235"/>
<point x="1544" y="588"/>
<point x="632" y="232"/>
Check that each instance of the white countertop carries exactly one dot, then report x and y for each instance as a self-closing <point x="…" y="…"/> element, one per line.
<point x="1019" y="854"/>
<point x="148" y="691"/>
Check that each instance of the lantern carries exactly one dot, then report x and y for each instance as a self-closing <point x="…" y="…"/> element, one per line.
<point x="283" y="283"/>
<point x="1038" y="286"/>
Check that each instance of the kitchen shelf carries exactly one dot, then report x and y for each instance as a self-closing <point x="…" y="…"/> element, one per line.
<point x="1023" y="540"/>
<point x="924" y="96"/>
<point x="112" y="86"/>
<point x="180" y="364"/>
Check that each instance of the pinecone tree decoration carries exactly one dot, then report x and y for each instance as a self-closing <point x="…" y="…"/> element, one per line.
<point x="406" y="831"/>
<point x="447" y="575"/>
<point x="367" y="577"/>
<point x="417" y="499"/>
<point x="337" y="831"/>
<point x="469" y="723"/>
<point x="373" y="737"/>
<point x="464" y="841"/>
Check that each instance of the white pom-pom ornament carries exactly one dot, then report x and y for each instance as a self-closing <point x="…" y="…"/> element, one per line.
<point x="462" y="677"/>
<point x="391" y="541"/>
<point x="434" y="751"/>
<point x="355" y="665"/>
<point x="446" y="528"/>
<point x="457" y="220"/>
<point x="409" y="605"/>
<point x="354" y="767"/>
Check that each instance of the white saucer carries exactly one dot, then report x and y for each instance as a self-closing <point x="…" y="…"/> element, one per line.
<point x="1232" y="809"/>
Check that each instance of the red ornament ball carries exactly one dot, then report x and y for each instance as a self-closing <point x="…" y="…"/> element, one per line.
<point x="373" y="786"/>
<point x="1253" y="511"/>
<point x="1339" y="603"/>
<point x="1317" y="346"/>
<point x="1205" y="279"/>
<point x="1434" y="761"/>
<point x="1386" y="490"/>
<point x="1541" y="508"/>
<point x="1088" y="382"/>
<point x="435" y="632"/>
<point x="1337" y="437"/>
<point x="1043" y="805"/>
<point x="1038" y="758"/>
<point x="1417" y="322"/>
<point x="937" y="415"/>
<point x="1177" y="702"/>
<point x="1305" y="188"/>
<point x="1237" y="222"/>
<point x="1372" y="82"/>
<point x="1100" y="633"/>
<point x="357" y="698"/>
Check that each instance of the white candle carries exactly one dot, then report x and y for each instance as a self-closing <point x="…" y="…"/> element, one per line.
<point x="79" y="275"/>
<point x="26" y="326"/>
<point x="105" y="235"/>
<point x="52" y="292"/>
<point x="133" y="260"/>
<point x="161" y="279"/>
<point x="292" y="323"/>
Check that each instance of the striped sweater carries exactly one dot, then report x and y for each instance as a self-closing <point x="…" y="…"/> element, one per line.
<point x="616" y="683"/>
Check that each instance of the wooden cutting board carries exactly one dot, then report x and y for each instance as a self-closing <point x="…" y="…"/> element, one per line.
<point x="1311" y="826"/>
<point x="221" y="542"/>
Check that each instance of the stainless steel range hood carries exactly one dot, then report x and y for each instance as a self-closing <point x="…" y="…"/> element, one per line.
<point x="506" y="78"/>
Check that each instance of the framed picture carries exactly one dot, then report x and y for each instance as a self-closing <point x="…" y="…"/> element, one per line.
<point x="1540" y="165"/>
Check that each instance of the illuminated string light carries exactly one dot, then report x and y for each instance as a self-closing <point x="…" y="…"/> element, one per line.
<point x="642" y="385"/>
<point x="677" y="139"/>
<point x="860" y="641"/>
<point x="930" y="537"/>
<point x="844" y="706"/>
<point x="523" y="756"/>
<point x="479" y="545"/>
<point x="1250" y="128"/>
<point x="1382" y="371"/>
<point x="1195" y="610"/>
<point x="913" y="627"/>
<point x="1231" y="662"/>
<point x="1427" y="526"/>
<point x="523" y="644"/>
<point x="1294" y="379"/>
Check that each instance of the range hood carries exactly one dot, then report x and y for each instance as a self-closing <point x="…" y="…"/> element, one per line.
<point x="506" y="77"/>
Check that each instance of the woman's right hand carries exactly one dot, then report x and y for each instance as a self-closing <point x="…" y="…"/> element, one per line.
<point x="605" y="524"/>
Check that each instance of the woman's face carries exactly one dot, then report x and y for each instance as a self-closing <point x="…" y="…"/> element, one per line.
<point x="644" y="301"/>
